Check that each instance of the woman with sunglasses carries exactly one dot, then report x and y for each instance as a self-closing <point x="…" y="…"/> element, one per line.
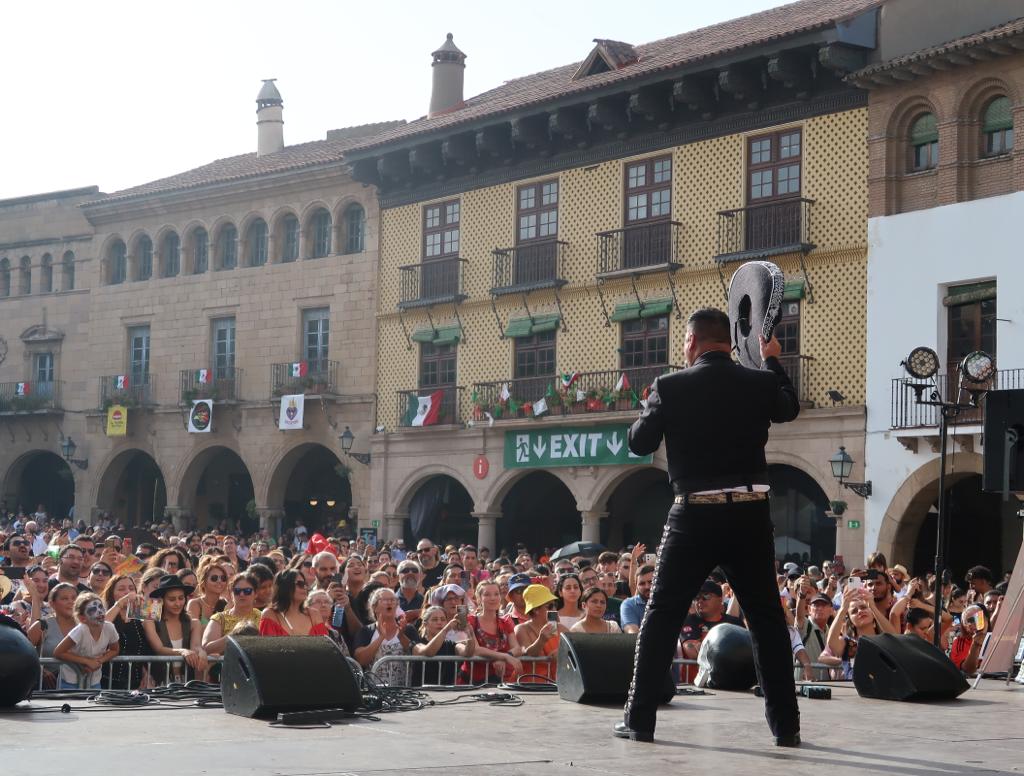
<point x="122" y="601"/>
<point x="304" y="563"/>
<point x="99" y="575"/>
<point x="287" y="614"/>
<point x="243" y="593"/>
<point x="212" y="582"/>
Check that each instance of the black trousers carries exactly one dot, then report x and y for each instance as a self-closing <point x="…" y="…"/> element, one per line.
<point x="697" y="537"/>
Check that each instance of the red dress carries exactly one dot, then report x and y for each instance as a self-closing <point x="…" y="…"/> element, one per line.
<point x="494" y="641"/>
<point x="269" y="627"/>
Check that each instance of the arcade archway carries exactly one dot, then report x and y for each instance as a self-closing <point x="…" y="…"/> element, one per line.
<point x="440" y="510"/>
<point x="802" y="531"/>
<point x="637" y="510"/>
<point x="312" y="485"/>
<point x="41" y="477"/>
<point x="216" y="489"/>
<point x="539" y="511"/>
<point x="132" y="489"/>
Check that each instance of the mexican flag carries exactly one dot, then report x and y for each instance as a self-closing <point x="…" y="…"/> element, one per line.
<point x="22" y="389"/>
<point x="299" y="369"/>
<point x="204" y="376"/>
<point x="423" y="410"/>
<point x="569" y="379"/>
<point x="121" y="382"/>
<point x="623" y="383"/>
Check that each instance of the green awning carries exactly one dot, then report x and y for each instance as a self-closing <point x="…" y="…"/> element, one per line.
<point x="448" y="335"/>
<point x="542" y="323"/>
<point x="629" y="311"/>
<point x="653" y="307"/>
<point x="998" y="115"/>
<point x="924" y="130"/>
<point x="423" y="335"/>
<point x="519" y="327"/>
<point x="970" y="293"/>
<point x="794" y="291"/>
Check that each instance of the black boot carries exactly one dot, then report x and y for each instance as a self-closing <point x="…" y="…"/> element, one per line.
<point x="622" y="730"/>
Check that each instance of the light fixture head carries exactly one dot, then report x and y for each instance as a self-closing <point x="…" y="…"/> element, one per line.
<point x="842" y="464"/>
<point x="68" y="447"/>
<point x="330" y="502"/>
<point x="347" y="438"/>
<point x="922" y="363"/>
<point x="978" y="367"/>
<point x="313" y="502"/>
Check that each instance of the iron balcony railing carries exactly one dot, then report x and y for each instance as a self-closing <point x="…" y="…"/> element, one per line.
<point x="432" y="282"/>
<point x="907" y="413"/>
<point x="224" y="384"/>
<point x="767" y="229"/>
<point x="798" y="369"/>
<point x="413" y="412"/>
<point x="528" y="267"/>
<point x="318" y="378"/>
<point x="140" y="390"/>
<point x="640" y="246"/>
<point x="30" y="397"/>
<point x="589" y="392"/>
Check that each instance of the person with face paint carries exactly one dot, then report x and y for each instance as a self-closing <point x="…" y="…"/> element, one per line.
<point x="90" y="644"/>
<point x="175" y="633"/>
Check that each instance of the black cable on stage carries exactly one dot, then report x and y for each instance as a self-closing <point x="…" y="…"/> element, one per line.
<point x="490" y="698"/>
<point x="543" y="685"/>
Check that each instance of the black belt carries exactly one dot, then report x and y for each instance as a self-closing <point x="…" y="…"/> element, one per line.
<point x="737" y="497"/>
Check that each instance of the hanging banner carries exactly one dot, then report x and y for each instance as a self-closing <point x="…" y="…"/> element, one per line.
<point x="200" y="419"/>
<point x="291" y="412"/>
<point x="117" y="420"/>
<point x="566" y="446"/>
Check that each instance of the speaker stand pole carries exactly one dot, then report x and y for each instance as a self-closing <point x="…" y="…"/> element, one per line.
<point x="940" y="525"/>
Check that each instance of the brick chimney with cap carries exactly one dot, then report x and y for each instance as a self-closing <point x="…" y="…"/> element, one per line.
<point x="449" y="69"/>
<point x="269" y="119"/>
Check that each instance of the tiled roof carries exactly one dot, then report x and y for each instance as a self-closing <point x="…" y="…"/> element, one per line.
<point x="250" y="165"/>
<point x="669" y="53"/>
<point x="1007" y="30"/>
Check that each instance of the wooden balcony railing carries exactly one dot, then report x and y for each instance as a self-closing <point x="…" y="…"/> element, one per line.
<point x="30" y="397"/>
<point x="640" y="247"/>
<point x="768" y="229"/>
<point x="528" y="267"/>
<point x="223" y="384"/>
<point x="432" y="282"/>
<point x="140" y="390"/>
<point x="448" y="411"/>
<point x="320" y="378"/>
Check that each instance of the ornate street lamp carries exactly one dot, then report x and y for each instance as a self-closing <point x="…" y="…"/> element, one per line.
<point x="842" y="468"/>
<point x="67" y="449"/>
<point x="347" y="438"/>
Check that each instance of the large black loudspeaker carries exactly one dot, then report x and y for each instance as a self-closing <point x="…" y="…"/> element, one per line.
<point x="597" y="668"/>
<point x="1004" y="410"/>
<point x="264" y="675"/>
<point x="905" y="668"/>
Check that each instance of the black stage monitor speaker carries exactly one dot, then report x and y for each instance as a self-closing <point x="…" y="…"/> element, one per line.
<point x="1004" y="411"/>
<point x="19" y="663"/>
<point x="905" y="668"/>
<point x="264" y="675"/>
<point x="597" y="668"/>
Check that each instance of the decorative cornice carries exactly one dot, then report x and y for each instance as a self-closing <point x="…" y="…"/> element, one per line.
<point x="656" y="141"/>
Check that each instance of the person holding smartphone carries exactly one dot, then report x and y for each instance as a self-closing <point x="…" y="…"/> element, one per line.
<point x="540" y="634"/>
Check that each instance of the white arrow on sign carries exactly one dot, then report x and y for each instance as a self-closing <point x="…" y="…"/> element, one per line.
<point x="539" y="447"/>
<point x="614" y="444"/>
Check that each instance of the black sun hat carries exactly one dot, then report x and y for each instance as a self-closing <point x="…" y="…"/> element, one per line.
<point x="170" y="582"/>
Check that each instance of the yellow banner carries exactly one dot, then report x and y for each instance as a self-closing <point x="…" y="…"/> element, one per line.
<point x="117" y="420"/>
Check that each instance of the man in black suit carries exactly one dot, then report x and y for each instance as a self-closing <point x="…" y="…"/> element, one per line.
<point x="714" y="417"/>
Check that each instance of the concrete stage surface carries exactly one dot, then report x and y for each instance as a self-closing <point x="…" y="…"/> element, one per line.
<point x="720" y="733"/>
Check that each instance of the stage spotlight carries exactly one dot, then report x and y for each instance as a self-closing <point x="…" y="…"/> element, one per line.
<point x="977" y="367"/>
<point x="922" y="363"/>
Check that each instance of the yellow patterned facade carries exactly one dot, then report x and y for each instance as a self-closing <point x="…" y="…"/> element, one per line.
<point x="708" y="176"/>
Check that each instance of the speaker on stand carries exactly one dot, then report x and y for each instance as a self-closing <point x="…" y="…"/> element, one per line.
<point x="597" y="668"/>
<point x="904" y="668"/>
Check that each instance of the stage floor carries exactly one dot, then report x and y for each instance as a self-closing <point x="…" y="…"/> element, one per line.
<point x="720" y="733"/>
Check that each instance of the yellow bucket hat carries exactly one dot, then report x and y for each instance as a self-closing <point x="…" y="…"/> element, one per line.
<point x="537" y="595"/>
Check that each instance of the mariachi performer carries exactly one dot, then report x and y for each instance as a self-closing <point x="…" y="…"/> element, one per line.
<point x="714" y="418"/>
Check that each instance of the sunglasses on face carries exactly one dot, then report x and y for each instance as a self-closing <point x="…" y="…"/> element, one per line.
<point x="705" y="596"/>
<point x="19" y="543"/>
<point x="89" y="551"/>
<point x="242" y="590"/>
<point x="101" y="571"/>
<point x="407" y="571"/>
<point x="218" y="578"/>
<point x="307" y="564"/>
<point x="143" y="555"/>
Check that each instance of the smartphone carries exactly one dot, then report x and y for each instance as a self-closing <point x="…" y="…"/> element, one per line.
<point x="553" y="616"/>
<point x="338" y="579"/>
<point x="838" y="567"/>
<point x="462" y="613"/>
<point x="651" y="558"/>
<point x="856" y="583"/>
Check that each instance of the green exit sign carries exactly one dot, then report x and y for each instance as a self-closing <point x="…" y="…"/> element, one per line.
<point x="853" y="523"/>
<point x="376" y="523"/>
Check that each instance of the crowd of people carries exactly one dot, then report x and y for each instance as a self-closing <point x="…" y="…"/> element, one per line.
<point x="86" y="594"/>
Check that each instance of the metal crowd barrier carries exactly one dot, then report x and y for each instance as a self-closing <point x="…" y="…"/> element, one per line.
<point x="53" y="665"/>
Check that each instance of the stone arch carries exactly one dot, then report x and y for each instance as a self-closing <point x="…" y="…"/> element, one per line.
<point x="492" y="499"/>
<point x="339" y="222"/>
<point x="408" y="487"/>
<point x="113" y="243"/>
<point x="46" y="274"/>
<point x="613" y="476"/>
<point x="231" y="493"/>
<point x="276" y="238"/>
<point x="909" y="506"/>
<point x="307" y="230"/>
<point x="185" y="476"/>
<point x="271" y="487"/>
<point x="823" y="479"/>
<point x="188" y="235"/>
<point x="112" y="469"/>
<point x="12" y="478"/>
<point x="244" y="238"/>
<point x="216" y="252"/>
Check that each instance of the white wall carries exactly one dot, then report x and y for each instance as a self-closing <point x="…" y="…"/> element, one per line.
<point x="912" y="259"/>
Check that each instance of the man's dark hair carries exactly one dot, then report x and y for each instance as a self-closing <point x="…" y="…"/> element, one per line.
<point x="68" y="548"/>
<point x="608" y="557"/>
<point x="261" y="572"/>
<point x="980" y="572"/>
<point x="710" y="324"/>
<point x="645" y="569"/>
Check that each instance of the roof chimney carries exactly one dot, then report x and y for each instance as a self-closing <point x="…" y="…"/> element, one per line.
<point x="269" y="120"/>
<point x="449" y="68"/>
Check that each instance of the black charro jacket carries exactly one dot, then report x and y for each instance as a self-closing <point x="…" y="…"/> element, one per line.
<point x="714" y="417"/>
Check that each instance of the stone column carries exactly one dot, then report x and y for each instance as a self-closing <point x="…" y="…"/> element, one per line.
<point x="394" y="526"/>
<point x="487" y="531"/>
<point x="270" y="518"/>
<point x="592" y="524"/>
<point x="179" y="517"/>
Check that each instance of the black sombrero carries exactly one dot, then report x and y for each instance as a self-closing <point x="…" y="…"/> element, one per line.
<point x="755" y="305"/>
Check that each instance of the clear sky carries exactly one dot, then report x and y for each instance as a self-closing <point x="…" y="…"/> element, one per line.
<point x="116" y="93"/>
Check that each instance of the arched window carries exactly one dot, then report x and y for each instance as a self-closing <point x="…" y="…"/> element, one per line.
<point x="200" y="251"/>
<point x="997" y="127"/>
<point x="68" y="272"/>
<point x="321" y="234"/>
<point x="227" y="247"/>
<point x="25" y="276"/>
<point x="144" y="251"/>
<point x="46" y="274"/>
<point x="256" y="241"/>
<point x="118" y="260"/>
<point x="5" y="277"/>
<point x="170" y="252"/>
<point x="355" y="227"/>
<point x="924" y="143"/>
<point x="289" y="238"/>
